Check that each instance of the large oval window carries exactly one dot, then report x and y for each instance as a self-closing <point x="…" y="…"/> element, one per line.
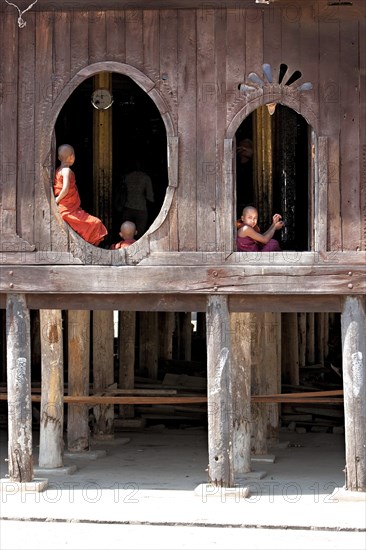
<point x="111" y="143"/>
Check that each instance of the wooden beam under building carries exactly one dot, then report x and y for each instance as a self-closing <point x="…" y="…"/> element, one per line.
<point x="325" y="279"/>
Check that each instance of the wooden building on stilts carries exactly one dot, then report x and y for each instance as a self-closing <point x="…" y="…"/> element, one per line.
<point x="176" y="86"/>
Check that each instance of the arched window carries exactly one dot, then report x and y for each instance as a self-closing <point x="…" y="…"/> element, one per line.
<point x="272" y="171"/>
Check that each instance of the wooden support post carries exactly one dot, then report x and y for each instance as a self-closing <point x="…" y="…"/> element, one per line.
<point x="19" y="389"/>
<point x="126" y="353"/>
<point x="255" y="340"/>
<point x="263" y="164"/>
<point x="240" y="326"/>
<point x="185" y="336"/>
<point x="51" y="444"/>
<point x="3" y="343"/>
<point x="271" y="382"/>
<point x="166" y="324"/>
<point x="102" y="154"/>
<point x="326" y="335"/>
<point x="319" y="335"/>
<point x="219" y="400"/>
<point x="334" y="334"/>
<point x="353" y="323"/>
<point x="103" y="370"/>
<point x="36" y="360"/>
<point x="201" y="324"/>
<point x="290" y="349"/>
<point x="301" y="319"/>
<point x="78" y="434"/>
<point x="310" y="339"/>
<point x="149" y="343"/>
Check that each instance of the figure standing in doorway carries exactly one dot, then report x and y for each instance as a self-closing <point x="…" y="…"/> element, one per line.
<point x="135" y="192"/>
<point x="90" y="228"/>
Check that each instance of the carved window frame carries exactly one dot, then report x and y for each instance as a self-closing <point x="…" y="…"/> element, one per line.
<point x="318" y="163"/>
<point x="84" y="251"/>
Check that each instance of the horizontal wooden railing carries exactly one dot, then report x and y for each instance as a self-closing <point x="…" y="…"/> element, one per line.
<point x="333" y="396"/>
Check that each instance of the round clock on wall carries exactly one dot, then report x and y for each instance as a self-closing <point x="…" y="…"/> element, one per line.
<point x="102" y="99"/>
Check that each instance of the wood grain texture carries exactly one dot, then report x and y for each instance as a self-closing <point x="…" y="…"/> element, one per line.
<point x="219" y="391"/>
<point x="350" y="145"/>
<point x="203" y="54"/>
<point x="187" y="131"/>
<point x="285" y="280"/>
<point x="362" y="130"/>
<point x="8" y="127"/>
<point x="207" y="166"/>
<point x="52" y="391"/>
<point x="45" y="169"/>
<point x="20" y="466"/>
<point x="182" y="302"/>
<point x="27" y="98"/>
<point x="224" y="188"/>
<point x="79" y="38"/>
<point x="97" y="39"/>
<point x="115" y="36"/>
<point x="78" y="338"/>
<point x="353" y="324"/>
<point x="320" y="7"/>
<point x="329" y="86"/>
<point x="134" y="37"/>
<point x="240" y="324"/>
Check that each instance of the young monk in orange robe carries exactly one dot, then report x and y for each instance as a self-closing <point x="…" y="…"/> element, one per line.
<point x="90" y="228"/>
<point x="127" y="233"/>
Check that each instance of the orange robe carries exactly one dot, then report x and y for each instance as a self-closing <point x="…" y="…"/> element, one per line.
<point x="123" y="244"/>
<point x="90" y="228"/>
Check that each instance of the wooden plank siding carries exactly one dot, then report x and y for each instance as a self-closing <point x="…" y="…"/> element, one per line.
<point x="168" y="87"/>
<point x="349" y="144"/>
<point x="223" y="191"/>
<point x="8" y="126"/>
<point x="45" y="168"/>
<point x="205" y="54"/>
<point x="26" y="128"/>
<point x="329" y="83"/>
<point x="79" y="38"/>
<point x="190" y="62"/>
<point x="116" y="36"/>
<point x="206" y="131"/>
<point x="134" y="38"/>
<point x="187" y="105"/>
<point x="362" y="128"/>
<point x="97" y="36"/>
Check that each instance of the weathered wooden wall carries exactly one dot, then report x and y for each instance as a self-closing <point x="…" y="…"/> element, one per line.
<point x="206" y="54"/>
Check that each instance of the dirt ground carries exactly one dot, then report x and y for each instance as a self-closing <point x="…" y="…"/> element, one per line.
<point x="159" y="476"/>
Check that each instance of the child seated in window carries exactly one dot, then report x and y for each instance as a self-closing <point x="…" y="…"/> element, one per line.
<point x="127" y="233"/>
<point x="250" y="239"/>
<point x="90" y="228"/>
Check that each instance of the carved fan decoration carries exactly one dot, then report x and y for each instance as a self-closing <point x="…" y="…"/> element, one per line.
<point x="255" y="82"/>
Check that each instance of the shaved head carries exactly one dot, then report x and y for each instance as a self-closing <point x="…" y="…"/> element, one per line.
<point x="65" y="150"/>
<point x="249" y="209"/>
<point x="128" y="230"/>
